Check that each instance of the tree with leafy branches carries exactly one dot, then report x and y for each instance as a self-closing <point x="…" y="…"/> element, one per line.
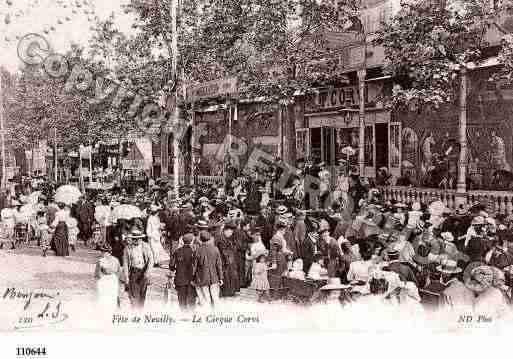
<point x="428" y="43"/>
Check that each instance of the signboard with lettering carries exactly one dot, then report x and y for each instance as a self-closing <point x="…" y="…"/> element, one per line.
<point x="132" y="164"/>
<point x="211" y="89"/>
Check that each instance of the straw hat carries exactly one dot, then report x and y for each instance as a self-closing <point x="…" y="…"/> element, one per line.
<point x="334" y="284"/>
<point x="449" y="267"/>
<point x="136" y="234"/>
<point x="479" y="276"/>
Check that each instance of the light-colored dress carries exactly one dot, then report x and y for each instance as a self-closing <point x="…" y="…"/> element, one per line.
<point x="260" y="281"/>
<point x="44" y="234"/>
<point x="107" y="286"/>
<point x="154" y="237"/>
<point x="73" y="230"/>
<point x="8" y="222"/>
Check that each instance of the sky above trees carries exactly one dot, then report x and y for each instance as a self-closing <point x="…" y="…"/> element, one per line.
<point x="70" y="23"/>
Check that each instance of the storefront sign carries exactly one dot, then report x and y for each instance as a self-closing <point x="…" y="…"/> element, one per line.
<point x="338" y="97"/>
<point x="343" y="120"/>
<point x="211" y="89"/>
<point x="133" y="164"/>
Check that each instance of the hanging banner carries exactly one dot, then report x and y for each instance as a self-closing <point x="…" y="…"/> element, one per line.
<point x="85" y="152"/>
<point x="211" y="89"/>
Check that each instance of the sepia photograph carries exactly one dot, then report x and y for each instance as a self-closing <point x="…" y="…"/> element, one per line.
<point x="255" y="166"/>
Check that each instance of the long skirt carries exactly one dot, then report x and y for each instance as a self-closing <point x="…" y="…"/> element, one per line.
<point x="107" y="292"/>
<point x="159" y="254"/>
<point x="231" y="282"/>
<point x="60" y="240"/>
<point x="6" y="233"/>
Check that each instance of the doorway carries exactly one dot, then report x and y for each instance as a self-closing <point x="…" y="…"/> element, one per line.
<point x="381" y="131"/>
<point x="315" y="145"/>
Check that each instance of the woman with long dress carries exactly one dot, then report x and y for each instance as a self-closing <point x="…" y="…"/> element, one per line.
<point x="107" y="274"/>
<point x="60" y="243"/>
<point x="153" y="231"/>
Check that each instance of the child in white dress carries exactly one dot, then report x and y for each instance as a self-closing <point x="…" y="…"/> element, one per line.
<point x="260" y="281"/>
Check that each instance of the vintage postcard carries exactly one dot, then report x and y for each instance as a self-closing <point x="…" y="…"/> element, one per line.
<point x="197" y="166"/>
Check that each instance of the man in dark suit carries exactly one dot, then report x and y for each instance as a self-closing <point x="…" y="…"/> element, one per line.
<point x="181" y="266"/>
<point x="403" y="270"/>
<point x="207" y="270"/>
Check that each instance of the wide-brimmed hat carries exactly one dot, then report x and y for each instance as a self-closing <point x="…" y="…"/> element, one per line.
<point x="322" y="164"/>
<point x="479" y="276"/>
<point x="392" y="253"/>
<point x="449" y="267"/>
<point x="334" y="284"/>
<point x="447" y="236"/>
<point x="136" y="234"/>
<point x="203" y="199"/>
<point x="201" y="225"/>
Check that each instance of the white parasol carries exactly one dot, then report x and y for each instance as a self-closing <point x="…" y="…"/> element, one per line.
<point x="126" y="211"/>
<point x="67" y="194"/>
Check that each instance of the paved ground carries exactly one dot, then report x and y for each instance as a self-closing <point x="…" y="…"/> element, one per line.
<point x="74" y="275"/>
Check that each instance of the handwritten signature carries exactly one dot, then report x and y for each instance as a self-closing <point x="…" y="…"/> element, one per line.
<point x="33" y="317"/>
<point x="26" y="296"/>
<point x="46" y="317"/>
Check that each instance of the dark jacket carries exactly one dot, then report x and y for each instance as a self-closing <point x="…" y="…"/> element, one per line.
<point x="182" y="262"/>
<point x="308" y="251"/>
<point x="292" y="244"/>
<point x="207" y="266"/>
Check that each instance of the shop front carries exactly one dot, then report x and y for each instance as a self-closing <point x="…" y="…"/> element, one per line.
<point x="330" y="130"/>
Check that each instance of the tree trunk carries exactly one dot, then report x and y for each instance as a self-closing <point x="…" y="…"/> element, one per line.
<point x="289" y="133"/>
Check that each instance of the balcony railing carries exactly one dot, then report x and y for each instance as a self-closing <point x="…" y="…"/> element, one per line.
<point x="498" y="201"/>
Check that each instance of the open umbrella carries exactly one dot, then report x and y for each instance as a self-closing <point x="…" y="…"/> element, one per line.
<point x="67" y="194"/>
<point x="127" y="211"/>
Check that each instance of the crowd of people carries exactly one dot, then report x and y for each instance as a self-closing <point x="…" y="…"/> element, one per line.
<point x="218" y="240"/>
